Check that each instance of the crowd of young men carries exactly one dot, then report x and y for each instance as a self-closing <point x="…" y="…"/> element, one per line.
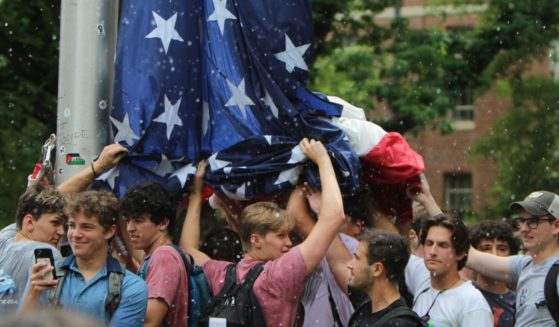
<point x="311" y="283"/>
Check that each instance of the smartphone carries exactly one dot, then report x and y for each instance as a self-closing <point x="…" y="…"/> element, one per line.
<point x="65" y="250"/>
<point x="45" y="255"/>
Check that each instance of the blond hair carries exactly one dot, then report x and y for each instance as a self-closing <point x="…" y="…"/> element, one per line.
<point x="261" y="218"/>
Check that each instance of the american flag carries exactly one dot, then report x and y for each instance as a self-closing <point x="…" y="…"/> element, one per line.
<point x="223" y="79"/>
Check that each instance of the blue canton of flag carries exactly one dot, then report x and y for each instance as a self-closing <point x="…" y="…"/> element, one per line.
<point x="226" y="78"/>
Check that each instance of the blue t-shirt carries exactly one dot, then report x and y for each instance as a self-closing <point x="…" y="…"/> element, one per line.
<point x="88" y="298"/>
<point x="502" y="306"/>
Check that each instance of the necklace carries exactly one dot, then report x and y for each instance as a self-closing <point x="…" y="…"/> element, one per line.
<point x="426" y="317"/>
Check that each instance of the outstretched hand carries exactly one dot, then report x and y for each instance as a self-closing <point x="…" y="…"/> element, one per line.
<point x="36" y="280"/>
<point x="110" y="156"/>
<point x="314" y="150"/>
<point x="198" y="185"/>
<point x="422" y="193"/>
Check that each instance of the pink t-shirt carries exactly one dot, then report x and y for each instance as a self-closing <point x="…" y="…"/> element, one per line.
<point x="166" y="280"/>
<point x="278" y="288"/>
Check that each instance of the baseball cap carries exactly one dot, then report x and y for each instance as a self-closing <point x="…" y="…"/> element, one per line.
<point x="539" y="203"/>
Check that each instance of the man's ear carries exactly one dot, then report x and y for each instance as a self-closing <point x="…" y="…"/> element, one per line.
<point x="110" y="232"/>
<point x="256" y="241"/>
<point x="377" y="269"/>
<point x="28" y="223"/>
<point x="163" y="225"/>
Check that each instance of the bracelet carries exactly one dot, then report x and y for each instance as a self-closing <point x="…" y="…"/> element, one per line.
<point x="93" y="170"/>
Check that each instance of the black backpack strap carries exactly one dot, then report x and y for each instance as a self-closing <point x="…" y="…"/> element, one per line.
<point x="550" y="291"/>
<point x="333" y="307"/>
<point x="400" y="312"/>
<point x="115" y="277"/>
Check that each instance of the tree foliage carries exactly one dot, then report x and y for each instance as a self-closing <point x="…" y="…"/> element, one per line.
<point x="28" y="83"/>
<point x="420" y="73"/>
<point x="525" y="144"/>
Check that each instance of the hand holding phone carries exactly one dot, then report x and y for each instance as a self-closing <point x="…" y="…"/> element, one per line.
<point x="45" y="256"/>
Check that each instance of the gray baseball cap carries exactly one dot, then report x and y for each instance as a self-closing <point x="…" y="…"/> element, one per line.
<point x="539" y="203"/>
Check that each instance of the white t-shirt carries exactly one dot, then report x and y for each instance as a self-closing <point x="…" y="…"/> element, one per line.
<point x="530" y="310"/>
<point x="463" y="306"/>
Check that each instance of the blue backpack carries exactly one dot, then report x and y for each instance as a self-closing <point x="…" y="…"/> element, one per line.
<point x="199" y="296"/>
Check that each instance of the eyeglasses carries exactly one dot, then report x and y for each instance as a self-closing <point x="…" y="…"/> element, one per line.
<point x="532" y="222"/>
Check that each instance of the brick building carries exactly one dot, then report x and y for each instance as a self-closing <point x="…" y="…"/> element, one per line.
<point x="460" y="183"/>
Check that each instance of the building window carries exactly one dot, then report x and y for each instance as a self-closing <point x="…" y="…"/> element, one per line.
<point x="458" y="194"/>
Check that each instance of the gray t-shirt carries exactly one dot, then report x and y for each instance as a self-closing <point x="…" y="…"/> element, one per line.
<point x="530" y="308"/>
<point x="8" y="231"/>
<point x="17" y="260"/>
<point x="318" y="310"/>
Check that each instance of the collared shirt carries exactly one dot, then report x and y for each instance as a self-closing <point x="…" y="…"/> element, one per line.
<point x="88" y="298"/>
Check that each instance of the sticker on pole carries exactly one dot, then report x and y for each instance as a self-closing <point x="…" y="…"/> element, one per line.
<point x="74" y="159"/>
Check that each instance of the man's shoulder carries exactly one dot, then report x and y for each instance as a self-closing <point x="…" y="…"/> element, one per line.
<point x="133" y="284"/>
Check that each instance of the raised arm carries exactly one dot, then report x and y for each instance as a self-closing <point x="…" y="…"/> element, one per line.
<point x="331" y="215"/>
<point x="190" y="234"/>
<point x="109" y="157"/>
<point x="424" y="196"/>
<point x="489" y="265"/>
<point x="337" y="255"/>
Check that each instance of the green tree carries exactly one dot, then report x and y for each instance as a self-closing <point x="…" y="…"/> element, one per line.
<point x="419" y="73"/>
<point x="525" y="144"/>
<point x="28" y="82"/>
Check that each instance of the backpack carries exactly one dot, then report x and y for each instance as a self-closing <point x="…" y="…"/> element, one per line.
<point x="401" y="312"/>
<point x="115" y="278"/>
<point x="550" y="291"/>
<point x="236" y="302"/>
<point x="397" y="312"/>
<point x="199" y="296"/>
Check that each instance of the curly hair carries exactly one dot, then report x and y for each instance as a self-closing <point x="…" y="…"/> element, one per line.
<point x="100" y="204"/>
<point x="459" y="239"/>
<point x="391" y="249"/>
<point x="493" y="230"/>
<point x="152" y="199"/>
<point x="37" y="200"/>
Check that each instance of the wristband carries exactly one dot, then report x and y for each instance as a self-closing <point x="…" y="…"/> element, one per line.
<point x="93" y="170"/>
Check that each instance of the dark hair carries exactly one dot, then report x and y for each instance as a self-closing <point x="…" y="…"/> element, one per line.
<point x="39" y="199"/>
<point x="459" y="239"/>
<point x="391" y="249"/>
<point x="353" y="206"/>
<point x="223" y="244"/>
<point x="152" y="199"/>
<point x="100" y="204"/>
<point x="493" y="230"/>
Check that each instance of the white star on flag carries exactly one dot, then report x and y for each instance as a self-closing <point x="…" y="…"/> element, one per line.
<point x="293" y="56"/>
<point x="110" y="176"/>
<point x="238" y="195"/>
<point x="165" y="30"/>
<point x="297" y="155"/>
<point x="290" y="175"/>
<point x="239" y="97"/>
<point x="215" y="163"/>
<point x="170" y="116"/>
<point x="205" y="117"/>
<point x="220" y="14"/>
<point x="124" y="133"/>
<point x="183" y="172"/>
<point x="270" y="103"/>
<point x="165" y="166"/>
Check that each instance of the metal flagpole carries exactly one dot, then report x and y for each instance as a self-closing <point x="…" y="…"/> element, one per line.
<point x="85" y="82"/>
